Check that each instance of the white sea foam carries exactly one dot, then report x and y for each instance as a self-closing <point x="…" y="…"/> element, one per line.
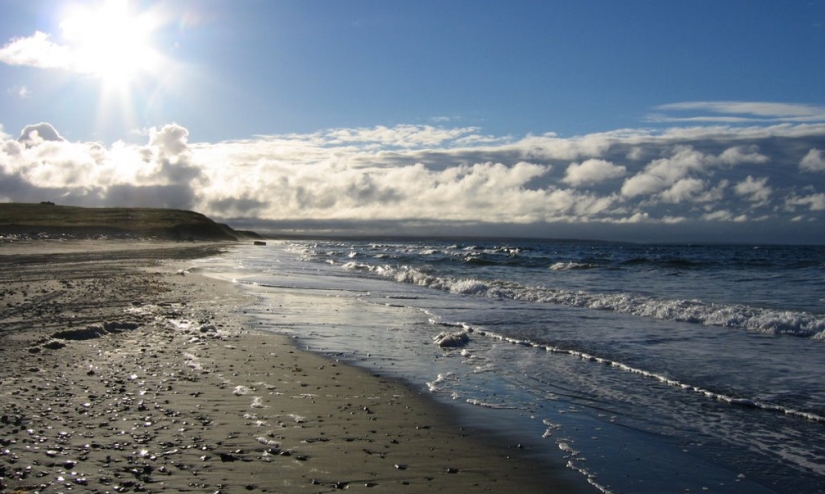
<point x="497" y="406"/>
<point x="731" y="400"/>
<point x="755" y="319"/>
<point x="566" y="266"/>
<point x="434" y="385"/>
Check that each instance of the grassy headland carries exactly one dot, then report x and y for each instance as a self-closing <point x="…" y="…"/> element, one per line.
<point x="49" y="220"/>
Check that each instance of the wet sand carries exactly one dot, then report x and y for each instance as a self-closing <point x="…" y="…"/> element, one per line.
<point x="122" y="372"/>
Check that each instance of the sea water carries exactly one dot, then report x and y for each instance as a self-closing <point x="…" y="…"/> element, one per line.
<point x="644" y="368"/>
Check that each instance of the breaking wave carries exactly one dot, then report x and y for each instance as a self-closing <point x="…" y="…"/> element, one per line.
<point x="756" y="319"/>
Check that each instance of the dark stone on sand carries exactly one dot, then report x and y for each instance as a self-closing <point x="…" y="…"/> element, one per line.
<point x="228" y="457"/>
<point x="452" y="340"/>
<point x="54" y="345"/>
<point x="117" y="326"/>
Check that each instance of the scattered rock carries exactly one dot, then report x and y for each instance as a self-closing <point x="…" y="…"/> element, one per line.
<point x="226" y="457"/>
<point x="208" y="328"/>
<point x="54" y="345"/>
<point x="118" y="326"/>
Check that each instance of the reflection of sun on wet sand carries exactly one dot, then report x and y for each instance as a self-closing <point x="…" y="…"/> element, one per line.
<point x="120" y="375"/>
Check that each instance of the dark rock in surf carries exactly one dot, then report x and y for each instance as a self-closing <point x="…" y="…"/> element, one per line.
<point x="452" y="340"/>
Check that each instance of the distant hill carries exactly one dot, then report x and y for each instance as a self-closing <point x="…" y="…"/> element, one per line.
<point x="47" y="220"/>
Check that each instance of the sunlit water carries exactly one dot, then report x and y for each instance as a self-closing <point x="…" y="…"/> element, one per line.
<point x="644" y="368"/>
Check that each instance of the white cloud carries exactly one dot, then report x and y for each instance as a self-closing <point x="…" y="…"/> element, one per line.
<point x="756" y="190"/>
<point x="683" y="190"/>
<point x="739" y="154"/>
<point x="815" y="202"/>
<point x="160" y="174"/>
<point x="37" y="133"/>
<point x="814" y="161"/>
<point x="426" y="174"/>
<point x="662" y="173"/>
<point x="549" y="146"/>
<point x="403" y="136"/>
<point x="741" y="112"/>
<point x="592" y="171"/>
<point x="720" y="215"/>
<point x="678" y="178"/>
<point x="36" y="51"/>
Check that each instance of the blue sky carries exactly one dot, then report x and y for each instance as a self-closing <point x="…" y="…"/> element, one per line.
<point x="682" y="121"/>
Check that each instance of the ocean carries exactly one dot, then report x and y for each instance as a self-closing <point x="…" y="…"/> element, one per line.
<point x="642" y="368"/>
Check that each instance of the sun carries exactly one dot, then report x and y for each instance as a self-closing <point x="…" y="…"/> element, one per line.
<point x="111" y="42"/>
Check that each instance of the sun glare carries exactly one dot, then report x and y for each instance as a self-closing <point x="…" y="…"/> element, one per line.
<point x="111" y="42"/>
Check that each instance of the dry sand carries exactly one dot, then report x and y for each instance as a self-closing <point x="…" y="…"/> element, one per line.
<point x="121" y="375"/>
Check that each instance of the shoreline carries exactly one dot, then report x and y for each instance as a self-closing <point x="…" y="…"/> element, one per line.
<point x="125" y="376"/>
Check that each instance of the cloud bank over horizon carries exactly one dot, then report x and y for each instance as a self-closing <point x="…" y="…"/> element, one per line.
<point x="683" y="183"/>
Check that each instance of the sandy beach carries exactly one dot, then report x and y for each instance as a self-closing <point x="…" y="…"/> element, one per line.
<point x="123" y="372"/>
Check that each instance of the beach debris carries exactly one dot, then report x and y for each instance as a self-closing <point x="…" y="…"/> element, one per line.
<point x="241" y="390"/>
<point x="228" y="457"/>
<point x="54" y="345"/>
<point x="267" y="442"/>
<point x="452" y="340"/>
<point x="297" y="418"/>
<point x="257" y="403"/>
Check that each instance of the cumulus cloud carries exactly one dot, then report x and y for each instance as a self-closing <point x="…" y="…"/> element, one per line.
<point x="815" y="202"/>
<point x="168" y="152"/>
<point x="683" y="190"/>
<point x="592" y="171"/>
<point x="814" y="161"/>
<point x="37" y="133"/>
<point x="427" y="175"/>
<point x="663" y="173"/>
<point x="37" y="50"/>
<point x="756" y="190"/>
<point x="686" y="175"/>
<point x="741" y="154"/>
<point x="43" y="165"/>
